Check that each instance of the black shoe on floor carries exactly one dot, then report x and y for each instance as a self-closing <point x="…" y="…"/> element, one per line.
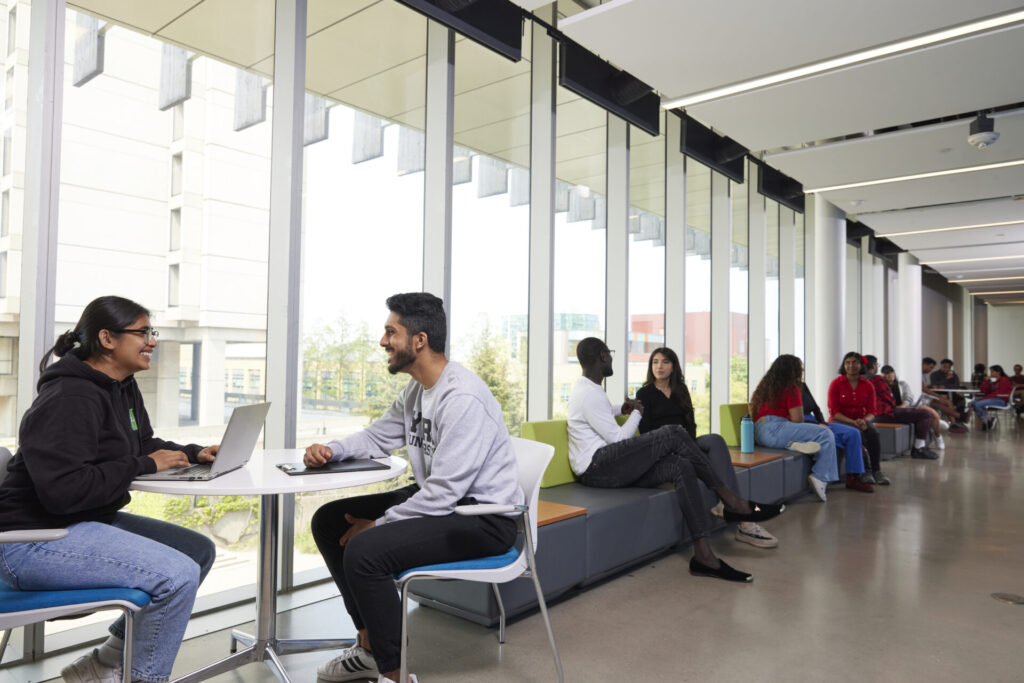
<point x="759" y="512"/>
<point x="724" y="571"/>
<point x="957" y="428"/>
<point x="923" y="454"/>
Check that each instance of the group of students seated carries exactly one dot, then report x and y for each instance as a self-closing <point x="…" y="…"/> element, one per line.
<point x="87" y="436"/>
<point x="995" y="389"/>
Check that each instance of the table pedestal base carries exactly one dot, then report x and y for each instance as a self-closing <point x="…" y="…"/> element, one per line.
<point x="268" y="652"/>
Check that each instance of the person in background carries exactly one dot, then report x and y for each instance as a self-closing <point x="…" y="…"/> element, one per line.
<point x="777" y="408"/>
<point x="979" y="375"/>
<point x="605" y="454"/>
<point x="945" y="377"/>
<point x="903" y="397"/>
<point x="939" y="401"/>
<point x="996" y="392"/>
<point x="666" y="401"/>
<point x="851" y="401"/>
<point x="847" y="439"/>
<point x="887" y="410"/>
<point x="85" y="438"/>
<point x="1017" y="377"/>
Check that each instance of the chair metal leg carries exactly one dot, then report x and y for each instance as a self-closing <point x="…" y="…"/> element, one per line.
<point x="3" y="642"/>
<point x="129" y="637"/>
<point x="404" y="668"/>
<point x="501" y="613"/>
<point x="543" y="605"/>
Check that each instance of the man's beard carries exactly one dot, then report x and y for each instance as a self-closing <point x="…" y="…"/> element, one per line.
<point x="402" y="359"/>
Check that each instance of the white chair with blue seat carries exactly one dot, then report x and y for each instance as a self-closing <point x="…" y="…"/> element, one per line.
<point x="20" y="608"/>
<point x="532" y="458"/>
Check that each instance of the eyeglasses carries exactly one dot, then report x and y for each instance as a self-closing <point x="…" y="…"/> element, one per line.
<point x="150" y="334"/>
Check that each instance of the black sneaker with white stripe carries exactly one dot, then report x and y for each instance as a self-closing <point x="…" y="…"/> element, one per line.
<point x="354" y="664"/>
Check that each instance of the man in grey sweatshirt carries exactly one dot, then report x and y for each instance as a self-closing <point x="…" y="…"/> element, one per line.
<point x="460" y="453"/>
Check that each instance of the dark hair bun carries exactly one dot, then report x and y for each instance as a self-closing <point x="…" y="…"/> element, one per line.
<point x="65" y="343"/>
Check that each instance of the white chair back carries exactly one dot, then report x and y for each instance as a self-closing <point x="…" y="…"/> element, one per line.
<point x="5" y="459"/>
<point x="532" y="458"/>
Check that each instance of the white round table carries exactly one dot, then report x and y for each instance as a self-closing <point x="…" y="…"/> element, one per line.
<point x="262" y="477"/>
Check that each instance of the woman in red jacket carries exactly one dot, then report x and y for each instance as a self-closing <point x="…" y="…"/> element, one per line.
<point x="851" y="401"/>
<point x="995" y="392"/>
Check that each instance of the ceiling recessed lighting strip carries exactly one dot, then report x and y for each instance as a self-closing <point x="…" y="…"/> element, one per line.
<point x="969" y="260"/>
<point x="919" y="176"/>
<point x="958" y="227"/>
<point x="989" y="279"/>
<point x="1006" y="291"/>
<point x="846" y="60"/>
<point x="1003" y="303"/>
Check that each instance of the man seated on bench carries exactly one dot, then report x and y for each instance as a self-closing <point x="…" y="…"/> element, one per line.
<point x="889" y="411"/>
<point x="605" y="455"/>
<point x="460" y="453"/>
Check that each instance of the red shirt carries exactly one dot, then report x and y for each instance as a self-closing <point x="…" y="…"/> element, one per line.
<point x="853" y="403"/>
<point x="1001" y="388"/>
<point x="884" y="401"/>
<point x="790" y="398"/>
<point x="1017" y="379"/>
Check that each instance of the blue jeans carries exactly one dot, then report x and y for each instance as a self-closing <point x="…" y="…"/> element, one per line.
<point x="980" y="405"/>
<point x="847" y="438"/>
<point x="778" y="432"/>
<point x="162" y="559"/>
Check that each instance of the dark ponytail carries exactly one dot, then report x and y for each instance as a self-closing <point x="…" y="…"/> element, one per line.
<point x="105" y="313"/>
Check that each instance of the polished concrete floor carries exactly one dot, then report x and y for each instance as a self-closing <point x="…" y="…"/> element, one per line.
<point x="894" y="586"/>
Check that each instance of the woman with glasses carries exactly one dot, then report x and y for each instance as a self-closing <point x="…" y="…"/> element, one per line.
<point x="84" y="439"/>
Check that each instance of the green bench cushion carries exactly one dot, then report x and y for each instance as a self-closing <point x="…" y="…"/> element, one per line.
<point x="555" y="433"/>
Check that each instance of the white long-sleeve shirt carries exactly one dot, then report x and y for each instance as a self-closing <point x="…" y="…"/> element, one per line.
<point x="592" y="423"/>
<point x="458" y="444"/>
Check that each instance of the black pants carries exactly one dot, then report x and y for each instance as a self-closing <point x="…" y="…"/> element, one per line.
<point x="921" y="419"/>
<point x="665" y="455"/>
<point x="873" y="443"/>
<point x="364" y="568"/>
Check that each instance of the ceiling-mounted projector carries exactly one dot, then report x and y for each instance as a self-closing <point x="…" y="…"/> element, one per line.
<point x="983" y="132"/>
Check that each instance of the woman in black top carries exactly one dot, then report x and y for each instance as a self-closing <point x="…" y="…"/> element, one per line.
<point x="666" y="401"/>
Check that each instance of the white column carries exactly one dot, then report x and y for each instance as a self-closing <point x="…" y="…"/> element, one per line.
<point x="878" y="313"/>
<point x="757" y="251"/>
<point x="285" y="252"/>
<point x="825" y="329"/>
<point x="437" y="182"/>
<point x="787" y="282"/>
<point x="675" y="238"/>
<point x="868" y="320"/>
<point x="721" y="241"/>
<point x="542" y="221"/>
<point x="908" y="316"/>
<point x="168" y="363"/>
<point x="42" y="190"/>
<point x="966" y="330"/>
<point x="617" y="255"/>
<point x="211" y="387"/>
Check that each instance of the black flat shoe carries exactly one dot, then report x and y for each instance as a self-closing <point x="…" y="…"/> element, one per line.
<point x="724" y="571"/>
<point x="759" y="512"/>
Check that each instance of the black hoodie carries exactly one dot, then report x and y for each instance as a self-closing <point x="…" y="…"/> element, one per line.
<point x="82" y="442"/>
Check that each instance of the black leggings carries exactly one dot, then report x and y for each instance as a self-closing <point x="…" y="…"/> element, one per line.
<point x="871" y="441"/>
<point x="665" y="455"/>
<point x="365" y="568"/>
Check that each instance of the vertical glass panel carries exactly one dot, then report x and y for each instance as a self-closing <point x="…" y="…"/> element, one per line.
<point x="851" y="341"/>
<point x="124" y="179"/>
<point x="697" y="358"/>
<point x="799" y="313"/>
<point x="580" y="236"/>
<point x="491" y="222"/>
<point x="771" y="289"/>
<point x="362" y="225"/>
<point x="739" y="294"/>
<point x="646" y="251"/>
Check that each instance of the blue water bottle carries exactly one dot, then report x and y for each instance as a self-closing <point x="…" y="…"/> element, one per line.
<point x="746" y="435"/>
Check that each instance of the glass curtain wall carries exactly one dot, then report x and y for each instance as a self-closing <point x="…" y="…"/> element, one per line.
<point x="739" y="294"/>
<point x="580" y="237"/>
<point x="697" y="362"/>
<point x="771" y="289"/>
<point x="491" y="222"/>
<point x="164" y="200"/>
<point x="362" y="235"/>
<point x="646" y="251"/>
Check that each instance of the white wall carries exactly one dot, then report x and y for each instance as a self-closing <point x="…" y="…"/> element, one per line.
<point x="1005" y="330"/>
<point x="935" y="324"/>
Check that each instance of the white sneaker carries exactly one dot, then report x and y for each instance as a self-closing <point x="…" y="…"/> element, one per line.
<point x="817" y="485"/>
<point x="384" y="679"/>
<point x="353" y="664"/>
<point x="939" y="443"/>
<point x="805" y="447"/>
<point x="943" y="425"/>
<point x="719" y="510"/>
<point x="755" y="535"/>
<point x="89" y="669"/>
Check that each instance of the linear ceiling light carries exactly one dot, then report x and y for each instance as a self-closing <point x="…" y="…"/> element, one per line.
<point x="1003" y="303"/>
<point x="968" y="260"/>
<point x="958" y="227"/>
<point x="989" y="279"/>
<point x="919" y="176"/>
<point x="1005" y="291"/>
<point x="846" y="60"/>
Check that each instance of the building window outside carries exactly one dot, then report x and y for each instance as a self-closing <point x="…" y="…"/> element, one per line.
<point x="739" y="294"/>
<point x="176" y="175"/>
<point x="697" y="362"/>
<point x="174" y="285"/>
<point x="174" y="241"/>
<point x="3" y="274"/>
<point x="7" y="152"/>
<point x="7" y="355"/>
<point x="9" y="89"/>
<point x="12" y="30"/>
<point x="5" y="213"/>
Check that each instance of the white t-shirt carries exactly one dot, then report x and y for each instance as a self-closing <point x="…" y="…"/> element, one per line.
<point x="592" y="424"/>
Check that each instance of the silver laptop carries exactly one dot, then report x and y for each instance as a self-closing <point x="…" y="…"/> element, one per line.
<point x="235" y="449"/>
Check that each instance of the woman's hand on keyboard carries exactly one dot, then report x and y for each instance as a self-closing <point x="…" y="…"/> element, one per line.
<point x="208" y="454"/>
<point x="166" y="459"/>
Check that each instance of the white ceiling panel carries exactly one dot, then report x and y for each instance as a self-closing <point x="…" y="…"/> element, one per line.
<point x="234" y="31"/>
<point x="997" y="236"/>
<point x="945" y="216"/>
<point x="966" y="75"/>
<point x="148" y="17"/>
<point x="690" y="46"/>
<point x="904" y="152"/>
<point x="964" y="187"/>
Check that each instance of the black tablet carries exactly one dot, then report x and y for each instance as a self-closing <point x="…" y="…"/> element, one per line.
<point x="360" y="465"/>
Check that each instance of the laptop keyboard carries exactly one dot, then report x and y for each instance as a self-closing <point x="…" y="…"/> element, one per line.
<point x="193" y="470"/>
